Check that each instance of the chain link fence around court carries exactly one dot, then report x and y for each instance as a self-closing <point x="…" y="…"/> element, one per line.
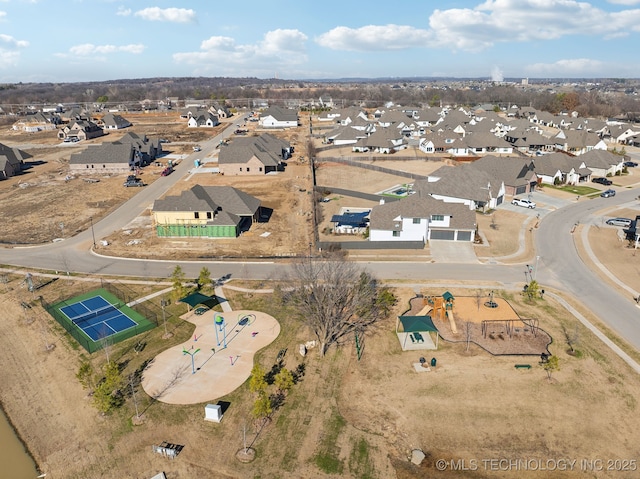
<point x="144" y="317"/>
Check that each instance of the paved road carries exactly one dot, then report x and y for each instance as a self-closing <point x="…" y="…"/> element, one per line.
<point x="558" y="265"/>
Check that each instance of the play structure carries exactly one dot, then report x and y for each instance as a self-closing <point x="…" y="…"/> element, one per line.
<point x="442" y="306"/>
<point x="484" y="319"/>
<point x="220" y="326"/>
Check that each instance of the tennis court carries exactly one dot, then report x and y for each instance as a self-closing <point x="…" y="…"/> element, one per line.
<point x="97" y="317"/>
<point x="98" y="314"/>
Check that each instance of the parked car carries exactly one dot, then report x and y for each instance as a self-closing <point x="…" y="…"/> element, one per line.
<point x="134" y="182"/>
<point x="196" y="148"/>
<point x="167" y="171"/>
<point x="630" y="164"/>
<point x="602" y="181"/>
<point x="524" y="203"/>
<point x="619" y="222"/>
<point x="608" y="193"/>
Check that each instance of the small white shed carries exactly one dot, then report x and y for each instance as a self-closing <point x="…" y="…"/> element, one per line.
<point x="213" y="413"/>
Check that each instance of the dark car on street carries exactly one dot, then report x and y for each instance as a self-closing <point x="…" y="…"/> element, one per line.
<point x="630" y="164"/>
<point x="167" y="171"/>
<point x="602" y="181"/>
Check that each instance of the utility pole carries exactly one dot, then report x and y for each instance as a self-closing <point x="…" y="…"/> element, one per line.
<point x="93" y="235"/>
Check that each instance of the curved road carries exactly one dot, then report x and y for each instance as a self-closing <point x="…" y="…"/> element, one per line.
<point x="559" y="265"/>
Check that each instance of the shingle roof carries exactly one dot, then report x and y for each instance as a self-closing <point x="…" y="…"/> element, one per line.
<point x="217" y="199"/>
<point x="107" y="153"/>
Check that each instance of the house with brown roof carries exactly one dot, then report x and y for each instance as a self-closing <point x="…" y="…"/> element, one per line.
<point x="206" y="212"/>
<point x="603" y="162"/>
<point x="578" y="142"/>
<point x="517" y="174"/>
<point x="561" y="168"/>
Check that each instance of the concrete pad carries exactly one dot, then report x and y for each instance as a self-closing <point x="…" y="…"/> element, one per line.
<point x="170" y="377"/>
<point x="452" y="251"/>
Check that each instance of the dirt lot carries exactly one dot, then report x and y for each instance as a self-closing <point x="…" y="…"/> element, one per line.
<point x="44" y="203"/>
<point x="472" y="406"/>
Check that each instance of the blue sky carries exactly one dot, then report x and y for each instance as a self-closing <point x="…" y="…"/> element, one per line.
<point x="82" y="40"/>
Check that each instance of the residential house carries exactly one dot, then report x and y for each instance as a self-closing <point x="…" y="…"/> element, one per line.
<point x="383" y="140"/>
<point x="419" y="217"/>
<point x="81" y="129"/>
<point x="517" y="174"/>
<point x="220" y="110"/>
<point x="578" y="142"/>
<point x="111" y="121"/>
<point x="276" y="117"/>
<point x="480" y="143"/>
<point x="11" y="161"/>
<point x="256" y="155"/>
<point x="203" y="120"/>
<point x="344" y="135"/>
<point x="148" y="149"/>
<point x="464" y="184"/>
<point x="107" y="158"/>
<point x="206" y="212"/>
<point x="603" y="163"/>
<point x="561" y="168"/>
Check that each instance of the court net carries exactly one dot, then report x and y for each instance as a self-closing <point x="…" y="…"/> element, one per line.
<point x="94" y="314"/>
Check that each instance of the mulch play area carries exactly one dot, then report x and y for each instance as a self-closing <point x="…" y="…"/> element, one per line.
<point x="490" y="322"/>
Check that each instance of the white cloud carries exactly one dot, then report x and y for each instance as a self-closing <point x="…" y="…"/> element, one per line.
<point x="278" y="49"/>
<point x="88" y="49"/>
<point x="123" y="12"/>
<point x="175" y="15"/>
<point x="490" y="23"/>
<point x="625" y="2"/>
<point x="2" y="15"/>
<point x="374" y="37"/>
<point x="9" y="50"/>
<point x="569" y="67"/>
<point x="10" y="42"/>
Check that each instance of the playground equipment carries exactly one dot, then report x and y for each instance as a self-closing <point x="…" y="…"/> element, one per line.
<point x="443" y="308"/>
<point x="192" y="354"/>
<point x="220" y="326"/>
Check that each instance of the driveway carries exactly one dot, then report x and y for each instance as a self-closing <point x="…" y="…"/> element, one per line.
<point x="452" y="251"/>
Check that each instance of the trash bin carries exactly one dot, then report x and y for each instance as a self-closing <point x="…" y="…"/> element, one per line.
<point x="433" y="362"/>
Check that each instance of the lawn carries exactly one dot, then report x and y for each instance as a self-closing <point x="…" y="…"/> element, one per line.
<point x="576" y="189"/>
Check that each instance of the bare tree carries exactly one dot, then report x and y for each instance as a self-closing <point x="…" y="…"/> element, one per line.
<point x="478" y="298"/>
<point x="336" y="298"/>
<point x="468" y="331"/>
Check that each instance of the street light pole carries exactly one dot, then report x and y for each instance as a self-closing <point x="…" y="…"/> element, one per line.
<point x="93" y="235"/>
<point x="535" y="271"/>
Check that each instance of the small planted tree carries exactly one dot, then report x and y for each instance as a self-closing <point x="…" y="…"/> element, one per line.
<point x="283" y="381"/>
<point x="85" y="375"/>
<point x="204" y="277"/>
<point x="533" y="289"/>
<point x="177" y="282"/>
<point x="551" y="366"/>
<point x="108" y="395"/>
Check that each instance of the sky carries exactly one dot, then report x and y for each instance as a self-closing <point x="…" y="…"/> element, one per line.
<point x="101" y="40"/>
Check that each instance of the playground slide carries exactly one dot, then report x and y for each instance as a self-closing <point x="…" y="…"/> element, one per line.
<point x="452" y="322"/>
<point x="424" y="310"/>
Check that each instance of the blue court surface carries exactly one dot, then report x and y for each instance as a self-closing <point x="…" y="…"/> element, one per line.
<point x="97" y="318"/>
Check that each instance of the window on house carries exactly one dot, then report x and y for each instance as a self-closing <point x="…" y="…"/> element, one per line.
<point x="104" y="166"/>
<point x="437" y="217"/>
<point x="416" y="221"/>
<point x="92" y="166"/>
<point x="87" y="166"/>
<point x="209" y="215"/>
<point x="196" y="214"/>
<point x="396" y="234"/>
<point x="240" y="168"/>
<point x="248" y="169"/>
<point x="260" y="168"/>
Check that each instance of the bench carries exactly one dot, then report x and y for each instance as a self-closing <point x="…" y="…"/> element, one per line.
<point x="523" y="366"/>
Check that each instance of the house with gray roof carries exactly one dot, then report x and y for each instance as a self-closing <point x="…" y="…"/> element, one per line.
<point x="578" y="142"/>
<point x="148" y="149"/>
<point x="420" y="217"/>
<point x="603" y="162"/>
<point x="560" y="168"/>
<point x="11" y="161"/>
<point x="107" y="158"/>
<point x="464" y="184"/>
<point x="517" y="174"/>
<point x="255" y="155"/>
<point x="206" y="212"/>
<point x="203" y="120"/>
<point x="276" y="117"/>
<point x="81" y="129"/>
<point x="111" y="121"/>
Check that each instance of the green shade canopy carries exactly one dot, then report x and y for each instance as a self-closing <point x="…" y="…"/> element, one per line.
<point x="411" y="324"/>
<point x="196" y="298"/>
